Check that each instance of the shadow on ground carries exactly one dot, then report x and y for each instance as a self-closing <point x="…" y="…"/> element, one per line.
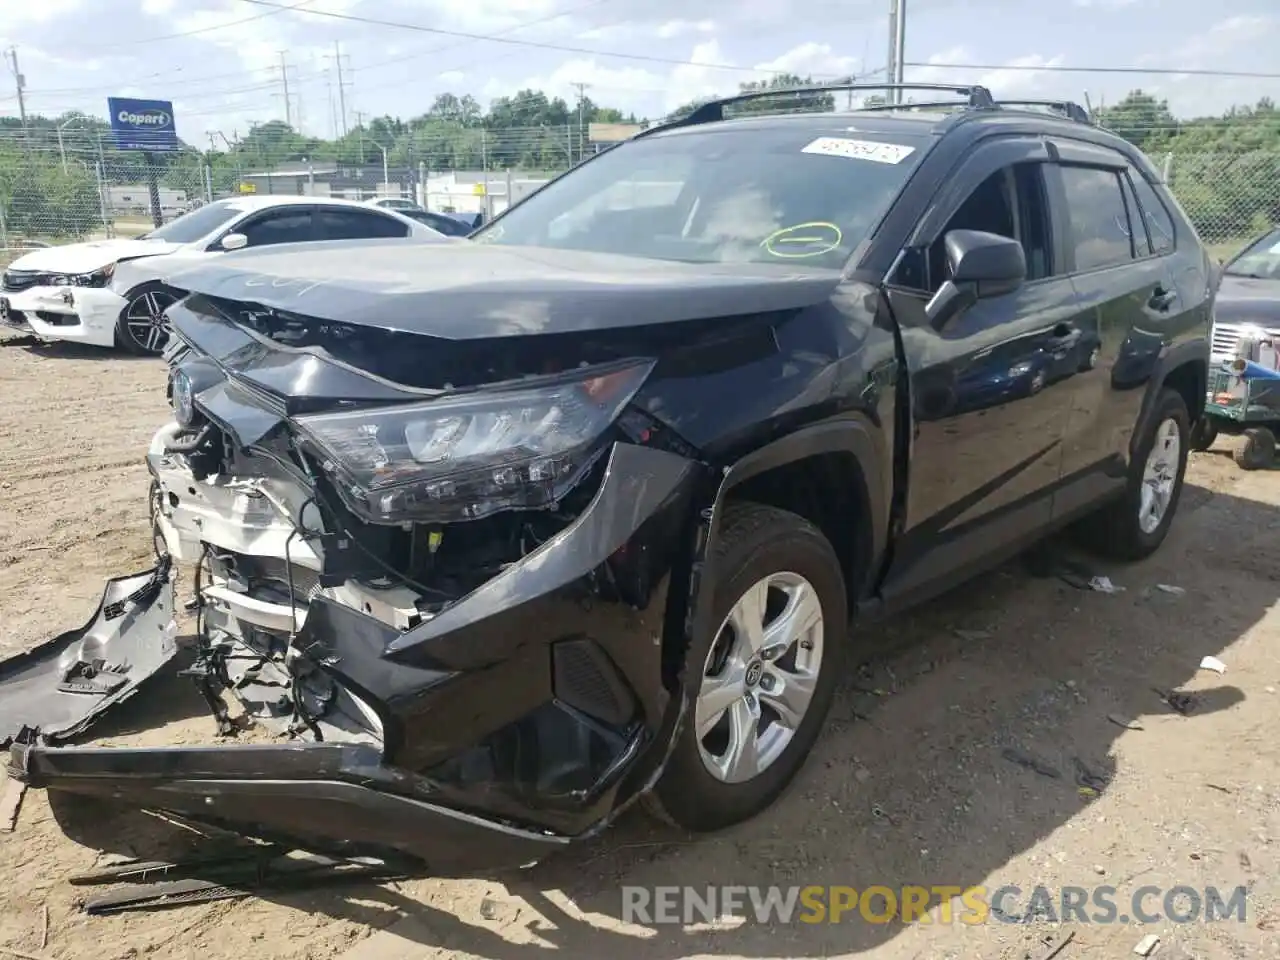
<point x="66" y="350"/>
<point x="911" y="783"/>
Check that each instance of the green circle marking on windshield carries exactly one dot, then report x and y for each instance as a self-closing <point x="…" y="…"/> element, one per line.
<point x="803" y="240"/>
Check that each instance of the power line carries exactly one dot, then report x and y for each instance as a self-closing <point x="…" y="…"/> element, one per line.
<point x="284" y="8"/>
<point x="533" y="44"/>
<point x="1150" y="71"/>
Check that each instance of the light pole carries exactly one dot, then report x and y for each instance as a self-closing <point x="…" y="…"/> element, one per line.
<point x="62" y="152"/>
<point x="386" y="177"/>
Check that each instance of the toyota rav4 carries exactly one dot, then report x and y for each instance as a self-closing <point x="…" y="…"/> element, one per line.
<point x="501" y="537"/>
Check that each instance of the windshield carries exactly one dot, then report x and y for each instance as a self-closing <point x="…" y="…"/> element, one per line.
<point x="794" y="193"/>
<point x="1260" y="259"/>
<point x="195" y="225"/>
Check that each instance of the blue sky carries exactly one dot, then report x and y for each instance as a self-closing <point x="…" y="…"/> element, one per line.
<point x="225" y="72"/>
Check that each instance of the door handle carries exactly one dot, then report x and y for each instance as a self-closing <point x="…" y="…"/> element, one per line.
<point x="1162" y="299"/>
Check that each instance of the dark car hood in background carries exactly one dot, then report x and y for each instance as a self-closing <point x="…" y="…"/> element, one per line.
<point x="1246" y="300"/>
<point x="475" y="291"/>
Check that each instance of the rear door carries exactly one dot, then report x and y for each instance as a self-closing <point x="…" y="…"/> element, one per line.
<point x="1126" y="295"/>
<point x="988" y="403"/>
<point x="335" y="223"/>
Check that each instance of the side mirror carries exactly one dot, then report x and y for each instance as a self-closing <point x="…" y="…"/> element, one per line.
<point x="982" y="265"/>
<point x="234" y="241"/>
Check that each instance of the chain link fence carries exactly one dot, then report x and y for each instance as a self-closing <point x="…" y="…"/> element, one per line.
<point x="59" y="194"/>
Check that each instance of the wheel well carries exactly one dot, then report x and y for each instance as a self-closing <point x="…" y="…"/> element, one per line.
<point x="829" y="491"/>
<point x="1190" y="380"/>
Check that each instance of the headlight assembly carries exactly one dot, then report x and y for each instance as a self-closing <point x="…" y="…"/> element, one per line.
<point x="98" y="278"/>
<point x="468" y="456"/>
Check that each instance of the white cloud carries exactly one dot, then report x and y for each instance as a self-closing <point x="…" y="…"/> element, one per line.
<point x="652" y="92"/>
<point x="1023" y="76"/>
<point x="16" y="14"/>
<point x="631" y="30"/>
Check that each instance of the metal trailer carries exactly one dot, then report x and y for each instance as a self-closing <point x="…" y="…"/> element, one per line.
<point x="1248" y="409"/>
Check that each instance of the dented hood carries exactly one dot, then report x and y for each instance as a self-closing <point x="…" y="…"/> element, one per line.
<point x="479" y="291"/>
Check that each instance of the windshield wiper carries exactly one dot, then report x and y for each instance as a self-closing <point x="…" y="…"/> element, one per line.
<point x="1250" y="276"/>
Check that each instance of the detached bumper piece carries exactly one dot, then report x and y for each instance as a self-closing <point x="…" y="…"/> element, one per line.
<point x="60" y="687"/>
<point x="259" y="871"/>
<point x="338" y="800"/>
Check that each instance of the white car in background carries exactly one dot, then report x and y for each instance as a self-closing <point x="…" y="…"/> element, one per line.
<point x="393" y="203"/>
<point x="71" y="293"/>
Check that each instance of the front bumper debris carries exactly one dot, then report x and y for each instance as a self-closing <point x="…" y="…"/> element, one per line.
<point x="325" y="797"/>
<point x="78" y="314"/>
<point x="61" y="686"/>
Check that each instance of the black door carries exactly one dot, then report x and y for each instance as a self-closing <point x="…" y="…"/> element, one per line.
<point x="338" y="223"/>
<point x="1127" y="299"/>
<point x="288" y="224"/>
<point x="988" y="389"/>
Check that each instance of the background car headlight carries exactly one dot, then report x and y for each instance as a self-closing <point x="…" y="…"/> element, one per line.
<point x="468" y="456"/>
<point x="98" y="278"/>
<point x="182" y="397"/>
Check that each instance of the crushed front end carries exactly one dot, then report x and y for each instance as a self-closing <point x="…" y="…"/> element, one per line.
<point x="445" y="603"/>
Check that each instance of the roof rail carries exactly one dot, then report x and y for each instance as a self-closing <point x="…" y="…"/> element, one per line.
<point x="713" y="110"/>
<point x="1070" y="110"/>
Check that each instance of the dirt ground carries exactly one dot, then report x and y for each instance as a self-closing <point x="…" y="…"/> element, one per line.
<point x="909" y="785"/>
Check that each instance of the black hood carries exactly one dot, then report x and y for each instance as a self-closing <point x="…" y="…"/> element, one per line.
<point x="1248" y="300"/>
<point x="467" y="291"/>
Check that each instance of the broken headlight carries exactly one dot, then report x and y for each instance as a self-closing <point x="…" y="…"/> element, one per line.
<point x="468" y="456"/>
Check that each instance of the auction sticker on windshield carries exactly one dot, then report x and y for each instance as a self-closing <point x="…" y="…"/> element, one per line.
<point x="859" y="149"/>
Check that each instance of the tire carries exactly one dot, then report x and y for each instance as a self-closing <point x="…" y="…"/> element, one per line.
<point x="1118" y="530"/>
<point x="1257" y="449"/>
<point x="1203" y="434"/>
<point x="757" y="543"/>
<point x="141" y="328"/>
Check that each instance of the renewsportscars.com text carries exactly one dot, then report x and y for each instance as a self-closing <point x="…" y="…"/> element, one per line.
<point x="944" y="904"/>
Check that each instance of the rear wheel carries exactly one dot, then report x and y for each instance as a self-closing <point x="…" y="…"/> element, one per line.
<point x="143" y="329"/>
<point x="1257" y="449"/>
<point x="764" y="680"/>
<point x="1134" y="526"/>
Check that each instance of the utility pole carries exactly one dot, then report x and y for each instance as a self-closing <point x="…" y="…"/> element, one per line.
<point x="900" y="44"/>
<point x="284" y="79"/>
<point x="342" y="87"/>
<point x="891" y="68"/>
<point x="582" y="99"/>
<point x="20" y="83"/>
<point x="359" y="115"/>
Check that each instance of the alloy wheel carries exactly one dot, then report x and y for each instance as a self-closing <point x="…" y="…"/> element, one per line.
<point x="759" y="678"/>
<point x="145" y="321"/>
<point x="1159" y="475"/>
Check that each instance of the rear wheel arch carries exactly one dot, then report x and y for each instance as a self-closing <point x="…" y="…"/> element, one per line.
<point x="1184" y="369"/>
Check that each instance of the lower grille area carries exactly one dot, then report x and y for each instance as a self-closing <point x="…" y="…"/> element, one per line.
<point x="1226" y="337"/>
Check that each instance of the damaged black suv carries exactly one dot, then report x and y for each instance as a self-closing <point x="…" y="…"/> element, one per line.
<point x="500" y="537"/>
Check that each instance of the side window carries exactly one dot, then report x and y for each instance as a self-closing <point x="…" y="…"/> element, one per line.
<point x="1099" y="221"/>
<point x="1141" y="243"/>
<point x="357" y="225"/>
<point x="1156" y="214"/>
<point x="1011" y="203"/>
<point x="281" y="226"/>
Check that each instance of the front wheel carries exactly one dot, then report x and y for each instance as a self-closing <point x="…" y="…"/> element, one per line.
<point x="1133" y="527"/>
<point x="143" y="329"/>
<point x="762" y="683"/>
<point x="1203" y="434"/>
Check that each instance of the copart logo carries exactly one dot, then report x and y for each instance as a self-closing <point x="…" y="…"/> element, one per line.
<point x="151" y="118"/>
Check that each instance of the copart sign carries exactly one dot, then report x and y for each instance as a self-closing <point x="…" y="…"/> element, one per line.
<point x="143" y="124"/>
